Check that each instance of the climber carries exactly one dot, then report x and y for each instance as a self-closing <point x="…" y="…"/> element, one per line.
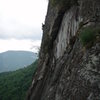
<point x="43" y="25"/>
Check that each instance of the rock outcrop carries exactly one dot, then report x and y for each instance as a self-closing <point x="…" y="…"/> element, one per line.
<point x="67" y="70"/>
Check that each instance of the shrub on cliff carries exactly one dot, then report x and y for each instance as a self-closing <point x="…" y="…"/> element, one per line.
<point x="63" y="3"/>
<point x="60" y="2"/>
<point x="87" y="35"/>
<point x="55" y="2"/>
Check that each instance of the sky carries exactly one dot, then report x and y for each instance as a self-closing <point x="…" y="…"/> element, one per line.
<point x="21" y="24"/>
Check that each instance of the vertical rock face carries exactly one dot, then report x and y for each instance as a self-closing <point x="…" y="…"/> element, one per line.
<point x="68" y="29"/>
<point x="67" y="71"/>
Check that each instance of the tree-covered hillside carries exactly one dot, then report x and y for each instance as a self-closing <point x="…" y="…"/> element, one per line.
<point x="14" y="85"/>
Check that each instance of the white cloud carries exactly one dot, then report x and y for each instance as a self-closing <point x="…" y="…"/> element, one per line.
<point x="14" y="44"/>
<point x="20" y="24"/>
<point x="22" y="17"/>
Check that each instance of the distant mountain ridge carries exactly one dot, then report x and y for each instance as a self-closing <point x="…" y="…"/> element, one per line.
<point x="13" y="60"/>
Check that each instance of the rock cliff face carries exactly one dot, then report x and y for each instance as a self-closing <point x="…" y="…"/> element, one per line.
<point x="67" y="71"/>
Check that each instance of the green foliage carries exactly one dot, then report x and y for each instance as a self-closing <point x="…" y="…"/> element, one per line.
<point x="59" y="2"/>
<point x="87" y="35"/>
<point x="14" y="85"/>
<point x="63" y="3"/>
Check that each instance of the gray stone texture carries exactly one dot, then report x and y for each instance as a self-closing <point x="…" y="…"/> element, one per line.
<point x="67" y="71"/>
